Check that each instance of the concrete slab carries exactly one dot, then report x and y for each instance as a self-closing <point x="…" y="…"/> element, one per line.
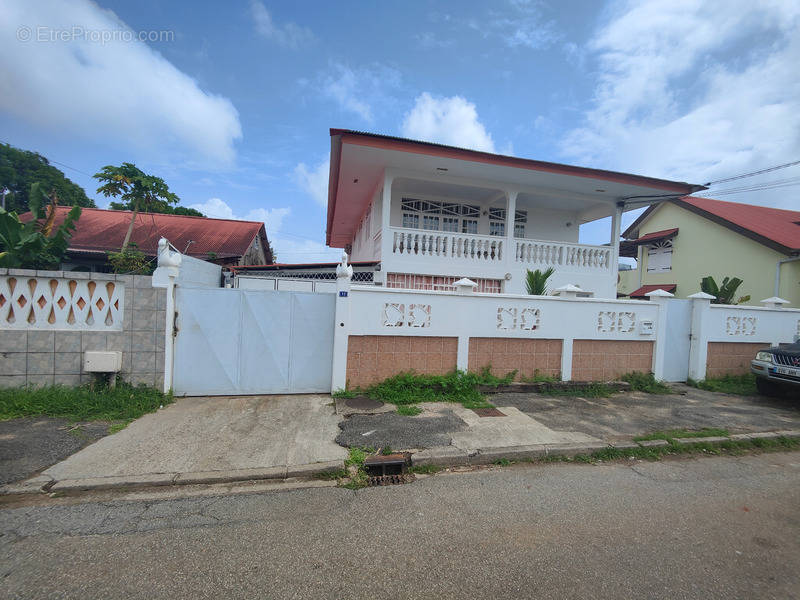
<point x="100" y="483"/>
<point x="196" y="435"/>
<point x="515" y="429"/>
<point x="653" y="443"/>
<point x="702" y="440"/>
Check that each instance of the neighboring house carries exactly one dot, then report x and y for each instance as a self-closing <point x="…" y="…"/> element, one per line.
<point x="222" y="241"/>
<point x="432" y="214"/>
<point x="679" y="242"/>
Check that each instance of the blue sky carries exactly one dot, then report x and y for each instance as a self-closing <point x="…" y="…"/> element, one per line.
<point x="233" y="104"/>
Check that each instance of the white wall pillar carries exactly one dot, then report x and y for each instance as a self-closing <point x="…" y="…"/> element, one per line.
<point x="462" y="358"/>
<point x="341" y="326"/>
<point x="566" y="359"/>
<point x="386" y="215"/>
<point x="698" y="346"/>
<point x="165" y="276"/>
<point x="661" y="298"/>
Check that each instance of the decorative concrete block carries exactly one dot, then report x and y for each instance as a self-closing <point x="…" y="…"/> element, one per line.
<point x="144" y="298"/>
<point x="143" y="341"/>
<point x="55" y="274"/>
<point x="142" y="281"/>
<point x="126" y="362"/>
<point x="143" y="320"/>
<point x="22" y="272"/>
<point x="161" y="299"/>
<point x="11" y="381"/>
<point x="67" y="363"/>
<point x="77" y="275"/>
<point x="40" y="363"/>
<point x="40" y="380"/>
<point x="41" y="341"/>
<point x="161" y="321"/>
<point x="93" y="341"/>
<point x="161" y="340"/>
<point x="67" y="380"/>
<point x="159" y="361"/>
<point x="143" y="362"/>
<point x="13" y="363"/>
<point x="3" y="270"/>
<point x="104" y="276"/>
<point x="13" y="341"/>
<point x="68" y="341"/>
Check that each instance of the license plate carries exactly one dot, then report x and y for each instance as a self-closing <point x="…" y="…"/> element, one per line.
<point x="788" y="371"/>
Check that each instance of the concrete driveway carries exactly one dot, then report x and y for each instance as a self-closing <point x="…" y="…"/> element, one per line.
<point x="198" y="435"/>
<point x="532" y="419"/>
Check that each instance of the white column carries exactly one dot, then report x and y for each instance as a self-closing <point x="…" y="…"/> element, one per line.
<point x="698" y="347"/>
<point x="169" y="264"/>
<point x="661" y="298"/>
<point x="616" y="223"/>
<point x="386" y="215"/>
<point x="341" y="326"/>
<point x="511" y="248"/>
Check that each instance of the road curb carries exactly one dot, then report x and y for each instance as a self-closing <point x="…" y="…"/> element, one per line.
<point x="38" y="484"/>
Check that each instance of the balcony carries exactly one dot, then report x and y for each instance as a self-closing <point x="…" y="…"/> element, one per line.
<point x="446" y="248"/>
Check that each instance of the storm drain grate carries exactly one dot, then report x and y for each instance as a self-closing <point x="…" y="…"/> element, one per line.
<point x="488" y="412"/>
<point x="390" y="479"/>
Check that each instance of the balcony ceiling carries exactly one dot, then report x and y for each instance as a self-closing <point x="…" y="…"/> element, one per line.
<point x="359" y="160"/>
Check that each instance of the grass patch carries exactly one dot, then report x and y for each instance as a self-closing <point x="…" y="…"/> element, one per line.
<point x="670" y="434"/>
<point x="742" y="385"/>
<point x="538" y="377"/>
<point x="409" y="388"/>
<point x="425" y="469"/>
<point x="116" y="427"/>
<point x="84" y="403"/>
<point x="646" y="382"/>
<point x="332" y="475"/>
<point x="594" y="390"/>
<point x="408" y="410"/>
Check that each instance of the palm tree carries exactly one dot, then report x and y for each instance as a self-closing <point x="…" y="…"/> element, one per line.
<point x="536" y="281"/>
<point x="141" y="191"/>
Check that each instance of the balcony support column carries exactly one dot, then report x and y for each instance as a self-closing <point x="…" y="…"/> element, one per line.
<point x="387" y="237"/>
<point x="616" y="223"/>
<point x="510" y="249"/>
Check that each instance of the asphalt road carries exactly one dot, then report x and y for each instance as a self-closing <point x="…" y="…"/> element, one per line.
<point x="719" y="527"/>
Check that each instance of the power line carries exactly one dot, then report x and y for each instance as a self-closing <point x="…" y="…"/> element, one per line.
<point x="753" y="173"/>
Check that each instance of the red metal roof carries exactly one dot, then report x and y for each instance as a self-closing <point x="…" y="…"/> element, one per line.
<point x="777" y="225"/>
<point x="104" y="230"/>
<point x="656" y="236"/>
<point x="646" y="289"/>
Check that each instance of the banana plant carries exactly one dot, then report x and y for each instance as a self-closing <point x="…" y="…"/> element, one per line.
<point x="725" y="293"/>
<point x="37" y="243"/>
<point x="536" y="281"/>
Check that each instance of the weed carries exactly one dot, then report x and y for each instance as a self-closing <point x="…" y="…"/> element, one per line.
<point x="84" y="403"/>
<point x="386" y="451"/>
<point x="670" y="434"/>
<point x="115" y="427"/>
<point x="408" y="410"/>
<point x="345" y="393"/>
<point x="742" y="385"/>
<point x="425" y="469"/>
<point x="539" y="377"/>
<point x="646" y="382"/>
<point x="503" y="462"/>
<point x="333" y="475"/>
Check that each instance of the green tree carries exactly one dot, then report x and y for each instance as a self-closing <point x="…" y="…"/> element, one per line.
<point x="536" y="281"/>
<point x="37" y="243"/>
<point x="725" y="293"/>
<point x="20" y="169"/>
<point x="138" y="190"/>
<point x="160" y="207"/>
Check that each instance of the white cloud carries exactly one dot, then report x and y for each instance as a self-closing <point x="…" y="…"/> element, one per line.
<point x="449" y="120"/>
<point x="314" y="180"/>
<point x="360" y="90"/>
<point x="289" y="34"/>
<point x="694" y="90"/>
<point x="118" y="92"/>
<point x="219" y="209"/>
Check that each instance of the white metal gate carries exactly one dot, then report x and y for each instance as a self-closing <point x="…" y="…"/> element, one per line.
<point x="233" y="341"/>
<point x="679" y="325"/>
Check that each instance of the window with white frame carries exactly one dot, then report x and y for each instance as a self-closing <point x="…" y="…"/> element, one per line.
<point x="469" y="226"/>
<point x="497" y="221"/>
<point x="440" y="216"/>
<point x="659" y="257"/>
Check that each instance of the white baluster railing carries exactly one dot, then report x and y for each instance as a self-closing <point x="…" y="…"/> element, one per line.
<point x="552" y="254"/>
<point x="447" y="245"/>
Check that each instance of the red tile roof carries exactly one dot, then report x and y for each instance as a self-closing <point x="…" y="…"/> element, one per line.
<point x="656" y="236"/>
<point x="774" y="224"/>
<point x="646" y="289"/>
<point x="100" y="230"/>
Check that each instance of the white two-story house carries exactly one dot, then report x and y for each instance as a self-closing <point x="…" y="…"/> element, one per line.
<point x="431" y="214"/>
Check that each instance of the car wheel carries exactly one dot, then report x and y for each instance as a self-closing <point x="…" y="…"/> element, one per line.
<point x="766" y="387"/>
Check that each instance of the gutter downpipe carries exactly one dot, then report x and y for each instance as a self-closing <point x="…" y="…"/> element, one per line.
<point x="778" y="271"/>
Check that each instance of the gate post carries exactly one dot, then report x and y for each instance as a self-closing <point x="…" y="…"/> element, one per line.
<point x="169" y="264"/>
<point x="698" y="347"/>
<point x="661" y="298"/>
<point x="341" y="326"/>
